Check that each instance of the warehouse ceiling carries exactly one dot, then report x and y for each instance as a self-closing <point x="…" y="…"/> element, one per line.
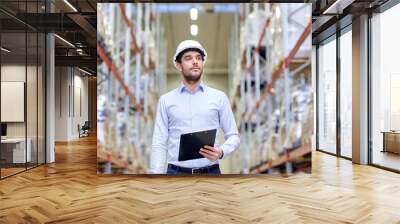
<point x="214" y="32"/>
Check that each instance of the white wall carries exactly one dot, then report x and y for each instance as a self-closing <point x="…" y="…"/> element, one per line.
<point x="61" y="103"/>
<point x="33" y="127"/>
<point x="83" y="83"/>
<point x="12" y="73"/>
<point x="71" y="94"/>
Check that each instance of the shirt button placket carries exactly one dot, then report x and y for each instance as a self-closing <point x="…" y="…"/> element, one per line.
<point x="190" y="111"/>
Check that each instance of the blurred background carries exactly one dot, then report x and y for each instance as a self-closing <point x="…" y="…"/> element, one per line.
<point x="259" y="54"/>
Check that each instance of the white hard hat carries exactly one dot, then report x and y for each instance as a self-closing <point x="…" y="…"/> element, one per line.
<point x="186" y="44"/>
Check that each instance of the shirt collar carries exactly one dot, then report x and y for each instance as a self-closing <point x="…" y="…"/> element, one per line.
<point x="200" y="87"/>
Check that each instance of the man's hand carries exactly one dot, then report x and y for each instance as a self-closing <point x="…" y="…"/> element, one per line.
<point x="211" y="153"/>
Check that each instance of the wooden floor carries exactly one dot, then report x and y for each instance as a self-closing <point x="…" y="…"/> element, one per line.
<point x="5" y="172"/>
<point x="10" y="171"/>
<point x="70" y="191"/>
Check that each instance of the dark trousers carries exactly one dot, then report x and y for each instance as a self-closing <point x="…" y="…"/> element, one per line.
<point x="176" y="170"/>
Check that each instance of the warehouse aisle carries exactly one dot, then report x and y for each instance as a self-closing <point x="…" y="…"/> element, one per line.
<point x="70" y="191"/>
<point x="258" y="55"/>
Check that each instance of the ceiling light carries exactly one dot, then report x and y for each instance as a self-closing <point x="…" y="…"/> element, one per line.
<point x="70" y="5"/>
<point x="5" y="49"/>
<point x="194" y="30"/>
<point x="193" y="13"/>
<point x="64" y="40"/>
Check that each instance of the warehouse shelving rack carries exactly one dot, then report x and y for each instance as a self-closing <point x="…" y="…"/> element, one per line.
<point x="129" y="69"/>
<point x="261" y="90"/>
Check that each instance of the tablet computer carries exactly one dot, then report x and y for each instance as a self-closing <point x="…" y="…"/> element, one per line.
<point x="191" y="143"/>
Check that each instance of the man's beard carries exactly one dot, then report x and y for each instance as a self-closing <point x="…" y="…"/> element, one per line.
<point x="192" y="77"/>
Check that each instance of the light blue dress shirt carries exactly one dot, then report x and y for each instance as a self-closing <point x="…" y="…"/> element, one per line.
<point x="181" y="111"/>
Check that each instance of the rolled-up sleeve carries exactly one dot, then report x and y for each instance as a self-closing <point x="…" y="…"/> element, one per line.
<point x="229" y="127"/>
<point x="160" y="138"/>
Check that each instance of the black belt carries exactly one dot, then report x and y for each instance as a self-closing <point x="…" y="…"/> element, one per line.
<point x="205" y="169"/>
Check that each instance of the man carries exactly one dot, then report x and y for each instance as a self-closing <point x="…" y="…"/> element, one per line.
<point x="190" y="108"/>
